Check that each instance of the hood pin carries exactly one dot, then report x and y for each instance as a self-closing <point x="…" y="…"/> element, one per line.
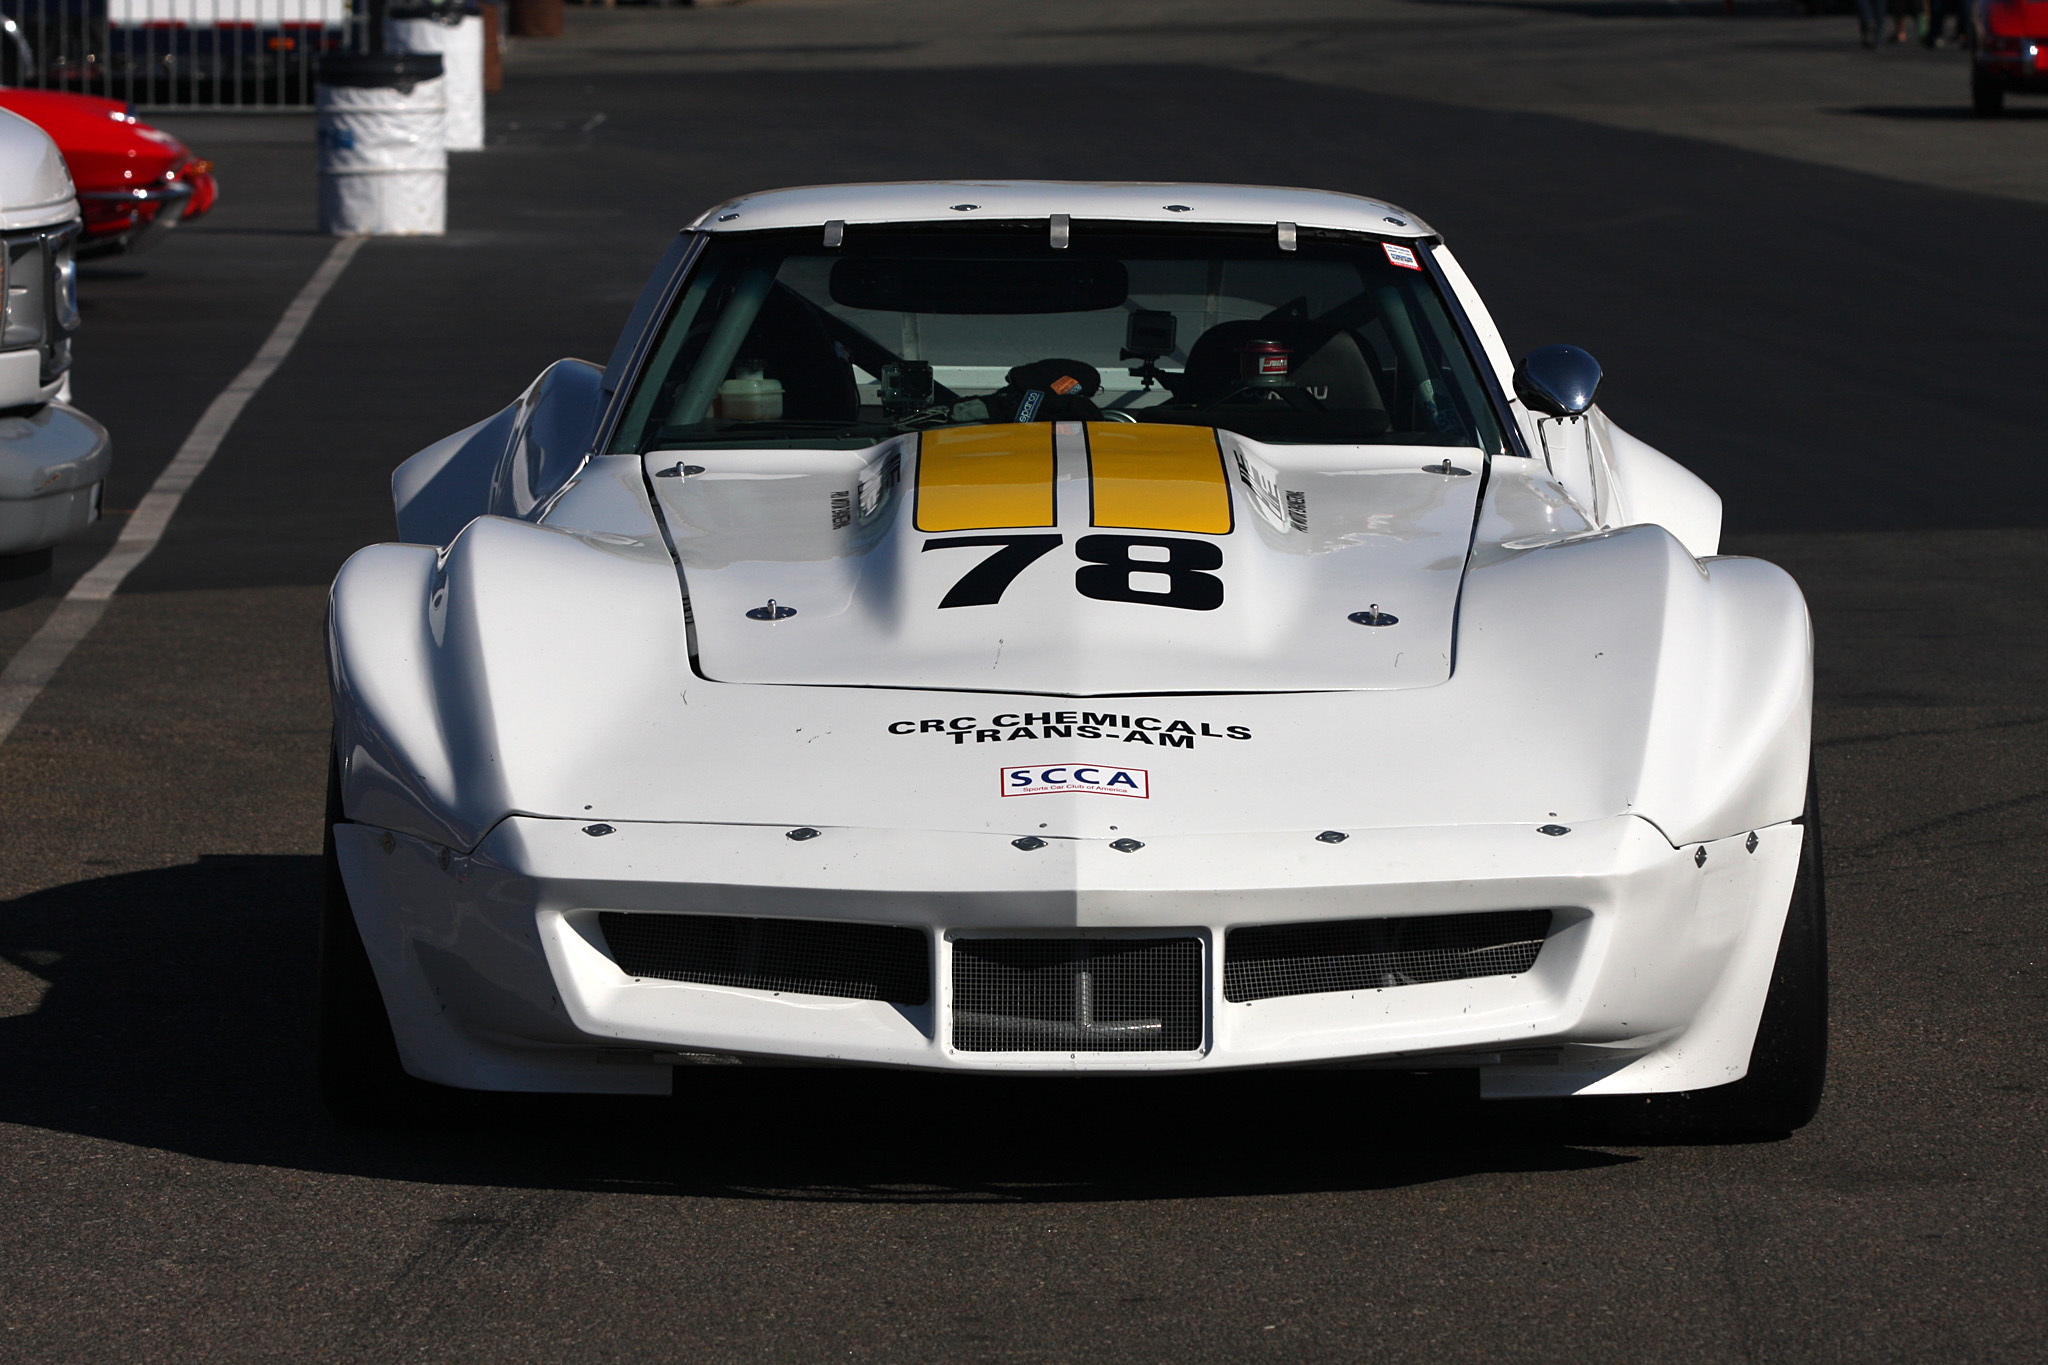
<point x="1030" y="843"/>
<point x="1332" y="836"/>
<point x="1554" y="831"/>
<point x="772" y="612"/>
<point x="598" y="831"/>
<point x="1373" y="616"/>
<point x="1445" y="468"/>
<point x="801" y="834"/>
<point x="1126" y="845"/>
<point x="681" y="471"/>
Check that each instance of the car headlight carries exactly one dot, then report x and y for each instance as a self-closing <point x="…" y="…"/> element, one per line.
<point x="64" y="296"/>
<point x="39" y="296"/>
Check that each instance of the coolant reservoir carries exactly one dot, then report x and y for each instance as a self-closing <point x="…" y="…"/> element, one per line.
<point x="750" y="396"/>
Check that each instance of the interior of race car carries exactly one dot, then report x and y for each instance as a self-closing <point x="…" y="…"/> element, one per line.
<point x="778" y="341"/>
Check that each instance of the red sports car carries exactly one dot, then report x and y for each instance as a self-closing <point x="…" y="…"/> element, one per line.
<point x="2010" y="53"/>
<point x="135" y="182"/>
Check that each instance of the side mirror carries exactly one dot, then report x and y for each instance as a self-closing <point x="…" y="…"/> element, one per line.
<point x="1557" y="380"/>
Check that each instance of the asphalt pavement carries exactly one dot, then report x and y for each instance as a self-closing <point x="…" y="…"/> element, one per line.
<point x="1852" y="358"/>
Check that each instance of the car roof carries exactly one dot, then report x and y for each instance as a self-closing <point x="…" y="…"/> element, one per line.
<point x="931" y="201"/>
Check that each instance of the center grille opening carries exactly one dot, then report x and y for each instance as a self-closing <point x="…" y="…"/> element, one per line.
<point x="1371" y="954"/>
<point x="809" y="957"/>
<point x="1077" y="995"/>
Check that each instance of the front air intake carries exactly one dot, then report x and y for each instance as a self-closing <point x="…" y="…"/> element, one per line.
<point x="1077" y="994"/>
<point x="805" y="957"/>
<point x="1271" y="960"/>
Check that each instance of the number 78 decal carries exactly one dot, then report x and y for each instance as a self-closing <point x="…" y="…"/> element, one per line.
<point x="1109" y="571"/>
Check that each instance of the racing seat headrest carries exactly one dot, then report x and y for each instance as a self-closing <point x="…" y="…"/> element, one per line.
<point x="1323" y="357"/>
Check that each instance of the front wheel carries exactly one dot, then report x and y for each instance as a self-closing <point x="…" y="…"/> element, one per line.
<point x="361" y="1078"/>
<point x="1987" y="93"/>
<point x="1788" y="1061"/>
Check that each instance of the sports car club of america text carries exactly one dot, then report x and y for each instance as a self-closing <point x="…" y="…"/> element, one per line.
<point x="1171" y="734"/>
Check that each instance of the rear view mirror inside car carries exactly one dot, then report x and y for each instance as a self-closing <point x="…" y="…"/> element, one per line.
<point x="979" y="286"/>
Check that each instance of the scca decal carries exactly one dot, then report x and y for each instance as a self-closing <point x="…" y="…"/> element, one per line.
<point x="1043" y="780"/>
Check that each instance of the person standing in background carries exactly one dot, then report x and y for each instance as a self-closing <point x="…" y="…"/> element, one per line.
<point x="1870" y="21"/>
<point x="1933" y="16"/>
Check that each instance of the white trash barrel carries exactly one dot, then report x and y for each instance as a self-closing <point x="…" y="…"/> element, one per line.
<point x="383" y="167"/>
<point x="459" y="38"/>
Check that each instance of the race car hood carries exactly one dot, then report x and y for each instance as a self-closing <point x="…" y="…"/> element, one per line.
<point x="1077" y="559"/>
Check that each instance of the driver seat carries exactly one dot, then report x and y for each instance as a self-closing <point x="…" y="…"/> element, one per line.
<point x="1326" y="360"/>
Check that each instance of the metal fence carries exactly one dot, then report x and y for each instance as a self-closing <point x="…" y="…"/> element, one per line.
<point x="178" y="54"/>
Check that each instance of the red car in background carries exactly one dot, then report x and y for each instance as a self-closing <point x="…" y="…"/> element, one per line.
<point x="135" y="182"/>
<point x="2010" y="53"/>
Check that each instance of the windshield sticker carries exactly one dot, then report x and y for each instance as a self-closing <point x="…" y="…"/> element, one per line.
<point x="1401" y="256"/>
<point x="1013" y="725"/>
<point x="1081" y="777"/>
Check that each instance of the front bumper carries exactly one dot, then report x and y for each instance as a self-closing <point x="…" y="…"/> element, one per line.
<point x="133" y="218"/>
<point x="52" y="464"/>
<point x="2019" y="64"/>
<point x="497" y="974"/>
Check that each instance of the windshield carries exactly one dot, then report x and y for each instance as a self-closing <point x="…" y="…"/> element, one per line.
<point x="777" y="340"/>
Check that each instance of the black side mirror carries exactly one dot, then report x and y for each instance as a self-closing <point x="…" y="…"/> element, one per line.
<point x="1557" y="380"/>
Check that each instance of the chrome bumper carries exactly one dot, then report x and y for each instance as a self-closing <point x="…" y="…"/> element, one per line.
<point x="170" y="197"/>
<point x="52" y="462"/>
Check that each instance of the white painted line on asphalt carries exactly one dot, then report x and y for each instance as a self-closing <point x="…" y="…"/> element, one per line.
<point x="29" y="671"/>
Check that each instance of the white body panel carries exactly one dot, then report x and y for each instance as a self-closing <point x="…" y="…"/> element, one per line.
<point x="1600" y="718"/>
<point x="1001" y="200"/>
<point x="35" y="184"/>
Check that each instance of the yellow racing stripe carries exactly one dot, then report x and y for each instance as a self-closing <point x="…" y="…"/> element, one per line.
<point x="985" y="478"/>
<point x="1150" y="476"/>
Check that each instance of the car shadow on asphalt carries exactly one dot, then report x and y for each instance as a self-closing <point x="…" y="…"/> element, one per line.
<point x="170" y="1009"/>
<point x="1959" y="112"/>
<point x="1644" y="9"/>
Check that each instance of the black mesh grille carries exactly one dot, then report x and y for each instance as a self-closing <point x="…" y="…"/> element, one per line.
<point x="812" y="957"/>
<point x="1077" y="995"/>
<point x="1367" y="954"/>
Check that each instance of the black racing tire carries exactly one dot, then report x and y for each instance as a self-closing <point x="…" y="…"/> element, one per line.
<point x="361" y="1079"/>
<point x="1987" y="93"/>
<point x="1788" y="1062"/>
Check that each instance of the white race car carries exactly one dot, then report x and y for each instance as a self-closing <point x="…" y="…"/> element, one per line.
<point x="1053" y="628"/>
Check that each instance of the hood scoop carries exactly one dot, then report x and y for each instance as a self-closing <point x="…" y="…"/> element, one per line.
<point x="1074" y="559"/>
